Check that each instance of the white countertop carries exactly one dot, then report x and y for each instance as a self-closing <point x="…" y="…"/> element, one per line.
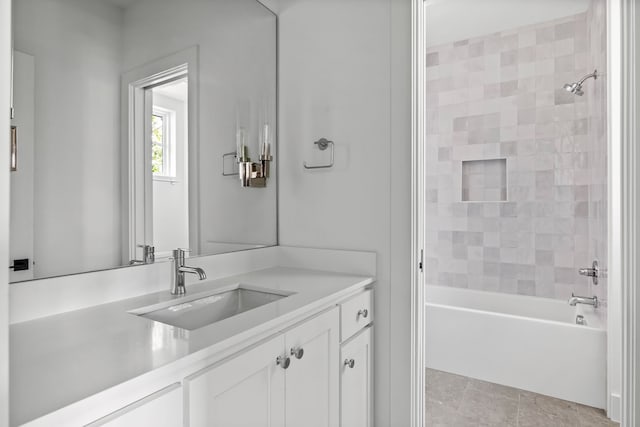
<point x="61" y="359"/>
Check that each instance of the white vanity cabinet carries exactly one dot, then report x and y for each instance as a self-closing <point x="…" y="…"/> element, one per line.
<point x="161" y="409"/>
<point x="287" y="373"/>
<point x="245" y="390"/>
<point x="289" y="380"/>
<point x="356" y="361"/>
<point x="356" y="313"/>
<point x="355" y="381"/>
<point x="312" y="380"/>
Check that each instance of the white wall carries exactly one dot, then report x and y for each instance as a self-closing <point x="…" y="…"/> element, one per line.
<point x="76" y="45"/>
<point x="236" y="42"/>
<point x="171" y="199"/>
<point x="453" y="20"/>
<point x="400" y="155"/>
<point x="341" y="78"/>
<point x="5" y="66"/>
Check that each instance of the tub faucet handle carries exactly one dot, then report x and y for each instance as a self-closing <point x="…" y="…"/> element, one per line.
<point x="593" y="272"/>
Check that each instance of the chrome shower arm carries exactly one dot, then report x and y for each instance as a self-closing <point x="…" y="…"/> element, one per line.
<point x="588" y="76"/>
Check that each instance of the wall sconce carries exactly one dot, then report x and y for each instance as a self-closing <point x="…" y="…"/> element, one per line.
<point x="253" y="174"/>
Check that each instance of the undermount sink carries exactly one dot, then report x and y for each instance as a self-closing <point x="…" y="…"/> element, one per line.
<point x="198" y="310"/>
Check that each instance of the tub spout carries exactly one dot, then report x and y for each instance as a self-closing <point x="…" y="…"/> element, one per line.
<point x="574" y="300"/>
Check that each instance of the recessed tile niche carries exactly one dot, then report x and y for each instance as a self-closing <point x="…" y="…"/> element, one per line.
<point x="484" y="180"/>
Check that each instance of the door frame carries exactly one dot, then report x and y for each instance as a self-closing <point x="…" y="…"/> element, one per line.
<point x="629" y="209"/>
<point x="624" y="199"/>
<point x="418" y="132"/>
<point x="135" y="99"/>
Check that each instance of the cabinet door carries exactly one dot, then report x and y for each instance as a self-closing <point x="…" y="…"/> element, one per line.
<point x="245" y="390"/>
<point x="355" y="377"/>
<point x="161" y="409"/>
<point x="312" y="380"/>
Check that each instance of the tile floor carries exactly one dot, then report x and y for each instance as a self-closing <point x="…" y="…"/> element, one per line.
<point x="456" y="401"/>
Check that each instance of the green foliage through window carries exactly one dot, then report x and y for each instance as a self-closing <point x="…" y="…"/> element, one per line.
<point x="157" y="144"/>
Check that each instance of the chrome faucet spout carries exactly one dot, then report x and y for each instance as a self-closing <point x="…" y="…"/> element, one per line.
<point x="575" y="300"/>
<point x="179" y="269"/>
<point x="194" y="270"/>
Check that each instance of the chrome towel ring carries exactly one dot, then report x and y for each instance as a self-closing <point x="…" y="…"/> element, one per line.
<point x="322" y="144"/>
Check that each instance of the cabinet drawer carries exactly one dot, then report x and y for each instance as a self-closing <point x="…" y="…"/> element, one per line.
<point x="355" y="314"/>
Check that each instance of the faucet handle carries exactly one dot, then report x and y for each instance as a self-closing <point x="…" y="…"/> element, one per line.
<point x="178" y="254"/>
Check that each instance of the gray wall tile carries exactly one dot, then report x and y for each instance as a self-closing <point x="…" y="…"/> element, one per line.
<point x="516" y="200"/>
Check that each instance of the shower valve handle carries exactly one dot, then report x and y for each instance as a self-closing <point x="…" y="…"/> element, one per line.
<point x="589" y="272"/>
<point x="593" y="272"/>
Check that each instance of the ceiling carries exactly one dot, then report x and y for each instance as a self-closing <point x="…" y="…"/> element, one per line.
<point x="176" y="90"/>
<point x="452" y="20"/>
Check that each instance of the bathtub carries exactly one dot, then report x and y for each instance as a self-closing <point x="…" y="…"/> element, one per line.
<point x="525" y="342"/>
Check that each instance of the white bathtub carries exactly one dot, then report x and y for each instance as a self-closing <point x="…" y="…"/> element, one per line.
<point x="525" y="342"/>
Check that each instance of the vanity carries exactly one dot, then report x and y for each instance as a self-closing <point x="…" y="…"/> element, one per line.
<point x="302" y="358"/>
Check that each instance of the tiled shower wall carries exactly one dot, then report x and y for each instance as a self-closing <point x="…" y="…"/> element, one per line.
<point x="500" y="97"/>
<point x="598" y="156"/>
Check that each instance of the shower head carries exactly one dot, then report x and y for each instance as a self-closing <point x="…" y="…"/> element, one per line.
<point x="576" y="87"/>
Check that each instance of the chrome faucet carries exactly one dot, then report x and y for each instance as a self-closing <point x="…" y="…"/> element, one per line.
<point x="177" y="282"/>
<point x="574" y="300"/>
<point x="148" y="255"/>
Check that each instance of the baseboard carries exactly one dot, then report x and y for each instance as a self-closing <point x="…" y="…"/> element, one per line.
<point x="615" y="407"/>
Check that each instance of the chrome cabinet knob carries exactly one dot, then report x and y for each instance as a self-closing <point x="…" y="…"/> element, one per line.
<point x="349" y="363"/>
<point x="364" y="313"/>
<point x="297" y="352"/>
<point x="283" y="362"/>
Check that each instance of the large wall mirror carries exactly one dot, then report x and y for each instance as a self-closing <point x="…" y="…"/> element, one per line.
<point x="127" y="115"/>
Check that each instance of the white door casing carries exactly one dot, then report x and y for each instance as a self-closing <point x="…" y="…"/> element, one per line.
<point x="137" y="182"/>
<point x="418" y="115"/>
<point x="628" y="209"/>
